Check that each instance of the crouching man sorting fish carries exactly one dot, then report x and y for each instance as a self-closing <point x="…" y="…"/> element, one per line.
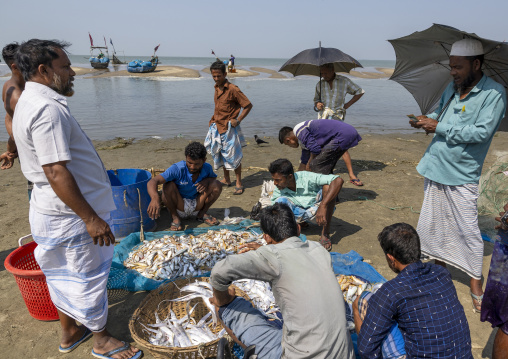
<point x="304" y="287"/>
<point x="189" y="189"/>
<point x="422" y="300"/>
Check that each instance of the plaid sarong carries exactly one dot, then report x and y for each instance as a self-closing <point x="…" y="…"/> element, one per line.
<point x="226" y="149"/>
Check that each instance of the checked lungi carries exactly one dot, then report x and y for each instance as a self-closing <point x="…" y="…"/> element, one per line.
<point x="76" y="270"/>
<point x="226" y="148"/>
<point x="448" y="226"/>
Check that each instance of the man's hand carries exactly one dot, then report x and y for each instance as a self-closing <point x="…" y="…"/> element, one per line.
<point x="502" y="226"/>
<point x="321" y="215"/>
<point x="234" y="122"/>
<point x="221" y="298"/>
<point x="307" y="166"/>
<point x="7" y="159"/>
<point x="100" y="232"/>
<point x="248" y="247"/>
<point x="154" y="208"/>
<point x="320" y="106"/>
<point x="202" y="186"/>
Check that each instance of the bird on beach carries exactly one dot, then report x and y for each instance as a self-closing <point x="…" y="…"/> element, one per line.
<point x="258" y="140"/>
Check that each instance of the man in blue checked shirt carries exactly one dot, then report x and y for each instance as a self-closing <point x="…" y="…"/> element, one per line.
<point x="189" y="189"/>
<point x="421" y="300"/>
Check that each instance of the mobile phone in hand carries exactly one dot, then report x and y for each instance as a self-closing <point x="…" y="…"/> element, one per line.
<point x="412" y="118"/>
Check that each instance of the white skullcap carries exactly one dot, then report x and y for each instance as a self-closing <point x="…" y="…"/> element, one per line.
<point x="467" y="47"/>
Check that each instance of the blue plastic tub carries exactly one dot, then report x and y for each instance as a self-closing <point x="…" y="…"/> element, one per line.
<point x="126" y="218"/>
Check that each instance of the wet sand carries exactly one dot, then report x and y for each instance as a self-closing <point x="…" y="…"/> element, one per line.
<point x="393" y="192"/>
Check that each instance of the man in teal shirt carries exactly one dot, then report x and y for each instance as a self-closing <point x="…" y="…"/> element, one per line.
<point x="468" y="115"/>
<point x="311" y="196"/>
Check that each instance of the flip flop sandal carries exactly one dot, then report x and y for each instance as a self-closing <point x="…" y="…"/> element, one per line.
<point x="325" y="243"/>
<point x="177" y="225"/>
<point x="207" y="217"/>
<point x="87" y="334"/>
<point x="109" y="355"/>
<point x="239" y="190"/>
<point x="226" y="184"/>
<point x="479" y="299"/>
<point x="356" y="182"/>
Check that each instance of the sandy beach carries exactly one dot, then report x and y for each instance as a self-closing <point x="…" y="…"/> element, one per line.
<point x="178" y="71"/>
<point x="393" y="192"/>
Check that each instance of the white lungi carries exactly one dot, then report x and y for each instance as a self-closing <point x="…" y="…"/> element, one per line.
<point x="76" y="270"/>
<point x="448" y="226"/>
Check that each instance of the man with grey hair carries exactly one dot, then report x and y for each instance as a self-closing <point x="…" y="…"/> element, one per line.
<point x="71" y="200"/>
<point x="464" y="123"/>
<point x="330" y="101"/>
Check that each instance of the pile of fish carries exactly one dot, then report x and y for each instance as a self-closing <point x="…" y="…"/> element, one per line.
<point x="186" y="255"/>
<point x="261" y="296"/>
<point x="353" y="287"/>
<point x="185" y="332"/>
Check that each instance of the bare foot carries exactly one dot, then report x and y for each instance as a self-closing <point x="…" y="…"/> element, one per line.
<point x="104" y="343"/>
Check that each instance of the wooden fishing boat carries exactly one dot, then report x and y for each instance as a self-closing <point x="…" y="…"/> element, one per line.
<point x="100" y="61"/>
<point x="139" y="66"/>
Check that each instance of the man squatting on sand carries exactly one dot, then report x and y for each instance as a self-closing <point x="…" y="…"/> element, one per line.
<point x="225" y="140"/>
<point x="310" y="196"/>
<point x="323" y="142"/>
<point x="304" y="287"/>
<point x="189" y="189"/>
<point x="71" y="201"/>
<point x="330" y="101"/>
<point x="464" y="123"/>
<point x="421" y="300"/>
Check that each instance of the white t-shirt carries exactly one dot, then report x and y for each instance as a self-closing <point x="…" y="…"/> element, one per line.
<point x="45" y="132"/>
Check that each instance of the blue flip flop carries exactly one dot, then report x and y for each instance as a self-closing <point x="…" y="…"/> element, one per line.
<point x="87" y="334"/>
<point x="124" y="347"/>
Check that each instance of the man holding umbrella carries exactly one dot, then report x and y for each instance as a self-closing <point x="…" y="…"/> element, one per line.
<point x="464" y="123"/>
<point x="330" y="101"/>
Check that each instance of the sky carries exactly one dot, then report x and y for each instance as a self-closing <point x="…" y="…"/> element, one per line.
<point x="261" y="28"/>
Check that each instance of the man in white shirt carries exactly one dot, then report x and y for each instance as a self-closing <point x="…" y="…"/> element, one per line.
<point x="71" y="199"/>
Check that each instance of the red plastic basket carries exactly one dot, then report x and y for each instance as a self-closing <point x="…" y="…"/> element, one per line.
<point x="31" y="282"/>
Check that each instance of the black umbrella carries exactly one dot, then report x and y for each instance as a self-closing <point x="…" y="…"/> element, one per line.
<point x="422" y="65"/>
<point x="308" y="61"/>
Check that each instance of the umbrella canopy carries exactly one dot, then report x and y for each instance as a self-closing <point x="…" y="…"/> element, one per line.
<point x="308" y="61"/>
<point x="422" y="65"/>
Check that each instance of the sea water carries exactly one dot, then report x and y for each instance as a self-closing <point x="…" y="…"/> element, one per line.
<point x="167" y="107"/>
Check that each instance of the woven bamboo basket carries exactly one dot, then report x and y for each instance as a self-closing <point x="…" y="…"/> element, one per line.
<point x="145" y="314"/>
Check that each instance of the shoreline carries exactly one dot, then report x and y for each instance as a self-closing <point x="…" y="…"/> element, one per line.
<point x="393" y="192"/>
<point x="184" y="72"/>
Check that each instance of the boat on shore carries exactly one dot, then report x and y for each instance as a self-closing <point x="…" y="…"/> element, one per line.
<point x="139" y="66"/>
<point x="144" y="66"/>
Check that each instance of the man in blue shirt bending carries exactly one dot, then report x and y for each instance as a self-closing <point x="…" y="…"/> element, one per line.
<point x="189" y="189"/>
<point x="470" y="111"/>
<point x="421" y="300"/>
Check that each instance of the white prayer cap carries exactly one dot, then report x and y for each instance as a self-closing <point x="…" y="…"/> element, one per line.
<point x="467" y="47"/>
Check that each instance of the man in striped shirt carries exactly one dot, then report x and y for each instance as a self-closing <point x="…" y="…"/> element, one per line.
<point x="330" y="100"/>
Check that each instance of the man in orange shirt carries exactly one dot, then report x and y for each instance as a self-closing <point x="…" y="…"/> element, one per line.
<point x="224" y="140"/>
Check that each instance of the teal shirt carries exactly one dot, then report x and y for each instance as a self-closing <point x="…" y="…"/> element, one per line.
<point x="308" y="184"/>
<point x="464" y="133"/>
